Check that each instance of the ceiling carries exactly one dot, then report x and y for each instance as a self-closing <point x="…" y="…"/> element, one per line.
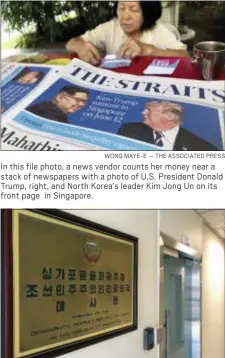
<point x="215" y="218"/>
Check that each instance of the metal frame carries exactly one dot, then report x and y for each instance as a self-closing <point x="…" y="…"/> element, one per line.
<point x="174" y="248"/>
<point x="8" y="292"/>
<point x="183" y="250"/>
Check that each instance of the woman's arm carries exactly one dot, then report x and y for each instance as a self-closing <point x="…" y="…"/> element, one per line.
<point x="89" y="45"/>
<point x="74" y="44"/>
<point x="150" y="50"/>
<point x="165" y="44"/>
<point x="132" y="48"/>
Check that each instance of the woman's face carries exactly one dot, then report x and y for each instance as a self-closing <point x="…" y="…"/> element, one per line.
<point x="130" y="16"/>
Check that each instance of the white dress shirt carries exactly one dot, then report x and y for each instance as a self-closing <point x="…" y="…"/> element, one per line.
<point x="168" y="138"/>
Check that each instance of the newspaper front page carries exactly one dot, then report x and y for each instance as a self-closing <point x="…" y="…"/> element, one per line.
<point x="85" y="108"/>
<point x="20" y="81"/>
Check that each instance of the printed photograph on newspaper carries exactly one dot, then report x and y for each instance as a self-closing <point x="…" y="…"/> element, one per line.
<point x="92" y="108"/>
<point x="19" y="80"/>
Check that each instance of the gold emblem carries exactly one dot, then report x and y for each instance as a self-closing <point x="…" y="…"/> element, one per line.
<point x="92" y="251"/>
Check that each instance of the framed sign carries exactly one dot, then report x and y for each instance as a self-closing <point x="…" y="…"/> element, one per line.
<point x="67" y="283"/>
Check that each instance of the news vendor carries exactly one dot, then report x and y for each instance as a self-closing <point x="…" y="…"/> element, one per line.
<point x="133" y="31"/>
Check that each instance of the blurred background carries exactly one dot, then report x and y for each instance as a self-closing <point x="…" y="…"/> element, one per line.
<point x="49" y="24"/>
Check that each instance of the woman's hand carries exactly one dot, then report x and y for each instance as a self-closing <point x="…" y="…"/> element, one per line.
<point x="129" y="49"/>
<point x="89" y="53"/>
<point x="132" y="48"/>
<point x="85" y="50"/>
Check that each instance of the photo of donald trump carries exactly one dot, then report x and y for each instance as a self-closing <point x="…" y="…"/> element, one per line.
<point x="161" y="126"/>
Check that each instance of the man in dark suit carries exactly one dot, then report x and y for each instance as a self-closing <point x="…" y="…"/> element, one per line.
<point x="162" y="126"/>
<point x="69" y="99"/>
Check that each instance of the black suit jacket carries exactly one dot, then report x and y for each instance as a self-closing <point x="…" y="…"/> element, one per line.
<point x="185" y="140"/>
<point x="48" y="110"/>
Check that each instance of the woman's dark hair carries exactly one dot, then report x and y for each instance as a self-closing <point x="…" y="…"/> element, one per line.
<point x="26" y="70"/>
<point x="151" y="10"/>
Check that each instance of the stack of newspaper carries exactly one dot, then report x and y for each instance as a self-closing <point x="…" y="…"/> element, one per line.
<point x="80" y="107"/>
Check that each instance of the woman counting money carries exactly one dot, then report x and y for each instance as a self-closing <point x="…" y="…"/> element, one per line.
<point x="134" y="31"/>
